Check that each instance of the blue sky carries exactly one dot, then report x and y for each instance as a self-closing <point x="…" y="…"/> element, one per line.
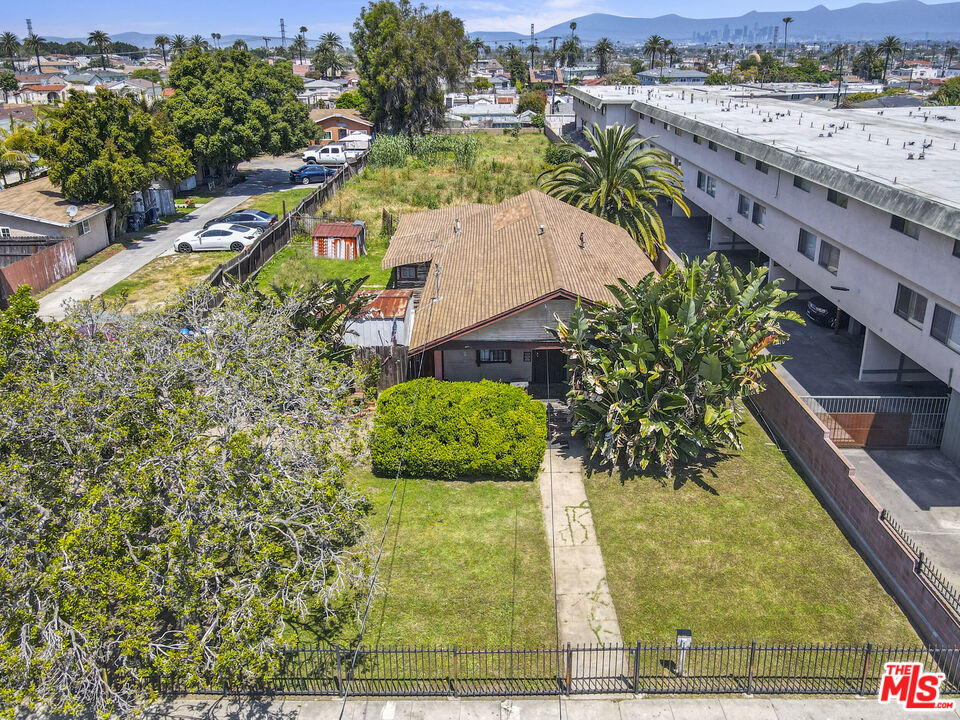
<point x="252" y="17"/>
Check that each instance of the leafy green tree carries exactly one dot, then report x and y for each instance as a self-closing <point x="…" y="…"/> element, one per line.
<point x="481" y="83"/>
<point x="948" y="93"/>
<point x="533" y="100"/>
<point x="151" y="74"/>
<point x="657" y="377"/>
<point x="102" y="147"/>
<point x="173" y="503"/>
<point x="637" y="66"/>
<point x="230" y="106"/>
<point x="716" y="78"/>
<point x="8" y="83"/>
<point x="621" y="78"/>
<point x="350" y="100"/>
<point x="403" y="53"/>
<point x="602" y="51"/>
<point x="101" y="40"/>
<point x="619" y="181"/>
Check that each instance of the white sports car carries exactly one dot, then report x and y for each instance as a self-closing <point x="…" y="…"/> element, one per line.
<point x="222" y="236"/>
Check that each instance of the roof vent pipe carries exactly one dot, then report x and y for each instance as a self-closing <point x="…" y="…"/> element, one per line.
<point x="582" y="241"/>
<point x="542" y="228"/>
<point x="456" y="226"/>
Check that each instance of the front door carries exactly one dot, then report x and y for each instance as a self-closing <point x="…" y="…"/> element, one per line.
<point x="548" y="366"/>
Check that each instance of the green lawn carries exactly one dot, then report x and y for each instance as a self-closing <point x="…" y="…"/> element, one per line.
<point x="506" y="166"/>
<point x="274" y="202"/>
<point x="739" y="550"/>
<point x="464" y="563"/>
<point x="156" y="281"/>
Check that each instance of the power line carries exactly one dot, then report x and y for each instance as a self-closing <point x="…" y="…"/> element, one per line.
<point x="553" y="531"/>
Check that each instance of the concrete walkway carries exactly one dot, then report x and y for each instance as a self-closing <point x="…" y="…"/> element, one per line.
<point x="585" y="610"/>
<point x="266" y="174"/>
<point x="647" y="708"/>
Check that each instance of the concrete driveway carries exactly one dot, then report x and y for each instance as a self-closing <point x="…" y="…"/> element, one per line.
<point x="264" y="174"/>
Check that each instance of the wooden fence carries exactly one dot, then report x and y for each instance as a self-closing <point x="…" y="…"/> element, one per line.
<point x="16" y="248"/>
<point x="394" y="363"/>
<point x="40" y="270"/>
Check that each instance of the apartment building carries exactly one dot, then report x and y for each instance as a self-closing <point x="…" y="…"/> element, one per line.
<point x="860" y="206"/>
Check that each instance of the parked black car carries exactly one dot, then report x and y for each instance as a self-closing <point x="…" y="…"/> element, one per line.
<point x="249" y="218"/>
<point x="312" y="173"/>
<point x="824" y="313"/>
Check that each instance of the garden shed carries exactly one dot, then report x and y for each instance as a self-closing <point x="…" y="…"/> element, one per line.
<point x="339" y="240"/>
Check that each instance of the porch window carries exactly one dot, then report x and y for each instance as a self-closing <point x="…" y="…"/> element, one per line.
<point x="485" y="357"/>
<point x="408" y="272"/>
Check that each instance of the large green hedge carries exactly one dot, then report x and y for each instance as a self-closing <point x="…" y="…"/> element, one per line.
<point x="459" y="430"/>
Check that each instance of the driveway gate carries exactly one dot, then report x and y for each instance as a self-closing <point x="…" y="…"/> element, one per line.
<point x="881" y="421"/>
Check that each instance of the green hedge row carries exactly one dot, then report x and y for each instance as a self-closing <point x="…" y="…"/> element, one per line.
<point x="459" y="430"/>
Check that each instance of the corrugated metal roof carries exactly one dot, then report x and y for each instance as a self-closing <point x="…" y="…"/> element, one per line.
<point x="499" y="262"/>
<point x="386" y="304"/>
<point x="336" y="229"/>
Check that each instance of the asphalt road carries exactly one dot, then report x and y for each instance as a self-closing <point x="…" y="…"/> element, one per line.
<point x="264" y="174"/>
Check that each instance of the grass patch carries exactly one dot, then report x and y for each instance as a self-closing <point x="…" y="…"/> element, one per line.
<point x="505" y="166"/>
<point x="91" y="262"/>
<point x="157" y="280"/>
<point x="738" y="550"/>
<point x="464" y="563"/>
<point x="274" y="202"/>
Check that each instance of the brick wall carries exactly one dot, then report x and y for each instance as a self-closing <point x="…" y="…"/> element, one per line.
<point x="835" y="482"/>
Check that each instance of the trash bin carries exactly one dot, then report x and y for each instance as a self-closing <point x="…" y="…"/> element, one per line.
<point x="153" y="214"/>
<point x="134" y="222"/>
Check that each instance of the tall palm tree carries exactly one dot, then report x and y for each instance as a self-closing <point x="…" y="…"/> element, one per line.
<point x="161" y="41"/>
<point x="865" y="61"/>
<point x="948" y="55"/>
<point x="32" y="43"/>
<point x="666" y="48"/>
<point x="303" y="30"/>
<point x="101" y="40"/>
<point x="331" y="41"/>
<point x="573" y="29"/>
<point x="602" y="50"/>
<point x="786" y="23"/>
<point x="890" y="45"/>
<point x="533" y="49"/>
<point x="9" y="45"/>
<point x="299" y="46"/>
<point x="179" y="45"/>
<point x="838" y="54"/>
<point x="652" y="48"/>
<point x="620" y="182"/>
<point x="240" y="44"/>
<point x="197" y="41"/>
<point x="216" y="39"/>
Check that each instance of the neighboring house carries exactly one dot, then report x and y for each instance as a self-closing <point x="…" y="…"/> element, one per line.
<point x="11" y="115"/>
<point x="486" y="114"/>
<point x="677" y="76"/>
<point x="549" y="77"/>
<point x="495" y="277"/>
<point x="339" y="123"/>
<point x="339" y="240"/>
<point x="90" y="81"/>
<point x="501" y="82"/>
<point x="582" y="72"/>
<point x="38" y="208"/>
<point x="318" y="93"/>
<point x="136" y="87"/>
<point x="40" y="94"/>
<point x="386" y="319"/>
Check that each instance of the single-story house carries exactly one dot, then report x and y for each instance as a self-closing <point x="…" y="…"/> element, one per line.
<point x="495" y="277"/>
<point x="319" y="92"/>
<point x="501" y="82"/>
<point x="38" y="208"/>
<point x="339" y="123"/>
<point x="386" y="319"/>
<point x="136" y="87"/>
<point x="678" y="76"/>
<point x="40" y="94"/>
<point x="339" y="240"/>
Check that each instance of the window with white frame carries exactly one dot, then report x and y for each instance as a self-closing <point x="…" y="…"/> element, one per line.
<point x="84" y="227"/>
<point x="485" y="357"/>
<point x="910" y="305"/>
<point x="946" y="327"/>
<point x="807" y="245"/>
<point x="4" y="232"/>
<point x="743" y="206"/>
<point x="829" y="257"/>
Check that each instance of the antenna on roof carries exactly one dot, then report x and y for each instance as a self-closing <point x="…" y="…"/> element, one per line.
<point x="582" y="241"/>
<point x="456" y="226"/>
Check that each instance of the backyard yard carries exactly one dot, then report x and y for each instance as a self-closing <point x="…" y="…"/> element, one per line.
<point x="506" y="166"/>
<point x="737" y="550"/>
<point x="162" y="277"/>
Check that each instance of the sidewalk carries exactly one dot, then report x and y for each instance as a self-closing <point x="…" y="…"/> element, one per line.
<point x="648" y="708"/>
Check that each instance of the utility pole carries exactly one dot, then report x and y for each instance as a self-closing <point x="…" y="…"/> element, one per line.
<point x="283" y="34"/>
<point x="532" y="43"/>
<point x="553" y="85"/>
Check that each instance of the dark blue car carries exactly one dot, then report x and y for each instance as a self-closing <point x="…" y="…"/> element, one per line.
<point x="307" y="174"/>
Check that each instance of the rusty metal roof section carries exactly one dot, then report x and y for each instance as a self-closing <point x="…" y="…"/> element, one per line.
<point x="337" y="230"/>
<point x="385" y="304"/>
<point x="499" y="261"/>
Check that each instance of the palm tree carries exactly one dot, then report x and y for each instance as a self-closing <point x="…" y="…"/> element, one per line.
<point x="299" y="46"/>
<point x="32" y="43"/>
<point x="786" y="23"/>
<point x="948" y="56"/>
<point x="216" y="39"/>
<point x="838" y="54"/>
<point x="101" y="40"/>
<point x="619" y="181"/>
<point x="573" y="29"/>
<point x="9" y="45"/>
<point x="890" y="45"/>
<point x="240" y="44"/>
<point x="666" y="48"/>
<point x="161" y="41"/>
<point x="602" y="50"/>
<point x="865" y="61"/>
<point x="652" y="48"/>
<point x="331" y="41"/>
<point x="197" y="41"/>
<point x="179" y="45"/>
<point x="533" y="49"/>
<point x="303" y="30"/>
<point x="478" y="46"/>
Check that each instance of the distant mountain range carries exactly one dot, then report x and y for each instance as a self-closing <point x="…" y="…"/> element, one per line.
<point x="146" y="41"/>
<point x="907" y="19"/>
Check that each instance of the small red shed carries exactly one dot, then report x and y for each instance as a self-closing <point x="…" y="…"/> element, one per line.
<point x="339" y="240"/>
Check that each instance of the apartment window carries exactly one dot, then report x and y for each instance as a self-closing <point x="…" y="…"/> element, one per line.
<point x="837" y="198"/>
<point x="738" y="156"/>
<point x="4" y="232"/>
<point x="485" y="357"/>
<point x="408" y="272"/>
<point x="807" y="245"/>
<point x="829" y="257"/>
<point x="762" y="166"/>
<point x="711" y="187"/>
<point x="802" y="183"/>
<point x="907" y="227"/>
<point x="743" y="206"/>
<point x="84" y="227"/>
<point x="678" y="131"/>
<point x="712" y="145"/>
<point x="697" y="140"/>
<point x="910" y="305"/>
<point x="652" y="121"/>
<point x="758" y="213"/>
<point x="701" y="180"/>
<point x="666" y="127"/>
<point x="956" y="248"/>
<point x="946" y="327"/>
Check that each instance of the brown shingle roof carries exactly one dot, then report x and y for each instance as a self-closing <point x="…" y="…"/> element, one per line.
<point x="40" y="200"/>
<point x="318" y="114"/>
<point x="499" y="262"/>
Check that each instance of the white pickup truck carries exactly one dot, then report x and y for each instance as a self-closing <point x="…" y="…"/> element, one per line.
<point x="329" y="154"/>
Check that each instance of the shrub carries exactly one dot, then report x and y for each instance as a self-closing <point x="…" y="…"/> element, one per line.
<point x="389" y="151"/>
<point x="557" y="154"/>
<point x="459" y="430"/>
<point x="538" y="121"/>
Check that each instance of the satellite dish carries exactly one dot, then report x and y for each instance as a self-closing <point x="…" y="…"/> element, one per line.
<point x="72" y="211"/>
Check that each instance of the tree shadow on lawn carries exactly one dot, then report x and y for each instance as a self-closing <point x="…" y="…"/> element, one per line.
<point x="699" y="472"/>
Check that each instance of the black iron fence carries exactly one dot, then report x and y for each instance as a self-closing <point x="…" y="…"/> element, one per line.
<point x="754" y="668"/>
